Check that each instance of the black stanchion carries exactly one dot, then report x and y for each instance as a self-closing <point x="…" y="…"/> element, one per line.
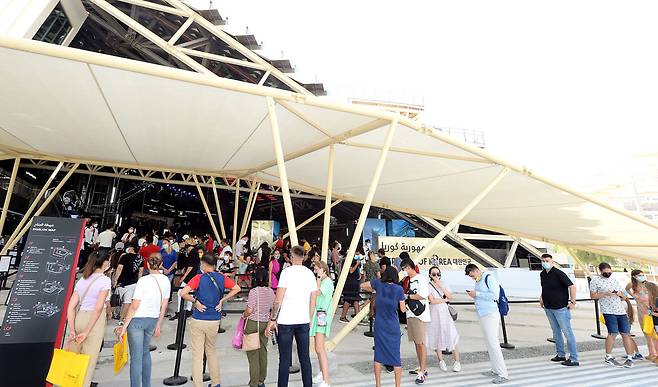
<point x="505" y="344"/>
<point x="598" y="334"/>
<point x="177" y="379"/>
<point x="179" y="331"/>
<point x="369" y="333"/>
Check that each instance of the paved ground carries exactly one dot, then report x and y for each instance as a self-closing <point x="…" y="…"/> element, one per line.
<point x="351" y="362"/>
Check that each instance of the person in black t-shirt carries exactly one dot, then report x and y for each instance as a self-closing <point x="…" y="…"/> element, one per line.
<point x="129" y="270"/>
<point x="558" y="297"/>
<point x="192" y="268"/>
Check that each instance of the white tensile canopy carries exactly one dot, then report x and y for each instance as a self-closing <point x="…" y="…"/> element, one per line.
<point x="65" y="104"/>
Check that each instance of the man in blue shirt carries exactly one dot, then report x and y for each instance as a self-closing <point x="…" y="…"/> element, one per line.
<point x="486" y="295"/>
<point x="207" y="304"/>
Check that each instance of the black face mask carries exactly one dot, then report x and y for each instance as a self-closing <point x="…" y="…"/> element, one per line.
<point x="606" y="274"/>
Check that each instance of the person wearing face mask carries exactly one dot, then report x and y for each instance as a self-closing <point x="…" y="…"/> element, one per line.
<point x="486" y="293"/>
<point x="169" y="258"/>
<point x="645" y="294"/>
<point x="85" y="315"/>
<point x="193" y="267"/>
<point x="558" y="298"/>
<point x="612" y="300"/>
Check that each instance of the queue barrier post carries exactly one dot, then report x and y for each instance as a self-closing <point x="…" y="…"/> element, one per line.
<point x="177" y="379"/>
<point x="369" y="332"/>
<point x="505" y="344"/>
<point x="598" y="334"/>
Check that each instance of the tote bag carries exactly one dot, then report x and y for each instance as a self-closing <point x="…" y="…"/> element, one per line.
<point x="236" y="342"/>
<point x="67" y="369"/>
<point x="120" y="354"/>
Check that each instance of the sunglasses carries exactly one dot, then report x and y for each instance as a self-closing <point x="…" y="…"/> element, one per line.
<point x="436" y="274"/>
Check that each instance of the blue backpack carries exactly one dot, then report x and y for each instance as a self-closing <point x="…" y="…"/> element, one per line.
<point x="503" y="302"/>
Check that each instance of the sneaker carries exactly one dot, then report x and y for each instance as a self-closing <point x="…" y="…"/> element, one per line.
<point x="558" y="358"/>
<point x="489" y="373"/>
<point x="456" y="367"/>
<point x="323" y="384"/>
<point x="638" y="356"/>
<point x="415" y="371"/>
<point x="174" y="317"/>
<point x="499" y="380"/>
<point x="628" y="363"/>
<point x="570" y="363"/>
<point x="442" y="366"/>
<point x="317" y="379"/>
<point x="343" y="320"/>
<point x="389" y="368"/>
<point x="420" y="379"/>
<point x="612" y="362"/>
<point x="363" y="323"/>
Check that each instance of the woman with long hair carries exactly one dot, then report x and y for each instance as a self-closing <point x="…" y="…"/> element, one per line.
<point x="321" y="320"/>
<point x="144" y="319"/>
<point x="274" y="268"/>
<point x="390" y="299"/>
<point x="85" y="310"/>
<point x="441" y="331"/>
<point x="351" y="296"/>
<point x="645" y="294"/>
<point x="259" y="304"/>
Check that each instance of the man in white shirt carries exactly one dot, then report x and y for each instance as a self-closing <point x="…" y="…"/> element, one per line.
<point x="291" y="316"/>
<point x="106" y="237"/>
<point x="128" y="236"/>
<point x="418" y="294"/>
<point x="225" y="248"/>
<point x="241" y="246"/>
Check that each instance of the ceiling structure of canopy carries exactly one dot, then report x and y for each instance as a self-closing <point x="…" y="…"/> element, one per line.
<point x="66" y="104"/>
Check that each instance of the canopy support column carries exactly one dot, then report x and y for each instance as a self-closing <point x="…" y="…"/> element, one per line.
<point x="362" y="217"/>
<point x="327" y="206"/>
<point x="331" y="344"/>
<point x="219" y="208"/>
<point x="205" y="206"/>
<point x="511" y="254"/>
<point x="10" y="191"/>
<point x="250" y="209"/>
<point x="10" y="242"/>
<point x="312" y="218"/>
<point x="283" y="175"/>
<point x="236" y="206"/>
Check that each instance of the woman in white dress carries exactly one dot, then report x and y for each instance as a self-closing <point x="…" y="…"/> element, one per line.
<point x="441" y="331"/>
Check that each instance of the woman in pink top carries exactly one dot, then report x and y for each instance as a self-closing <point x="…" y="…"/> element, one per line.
<point x="274" y="269"/>
<point x="85" y="310"/>
<point x="645" y="294"/>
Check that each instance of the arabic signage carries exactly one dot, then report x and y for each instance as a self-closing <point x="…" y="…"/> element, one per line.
<point x="443" y="255"/>
<point x="34" y="322"/>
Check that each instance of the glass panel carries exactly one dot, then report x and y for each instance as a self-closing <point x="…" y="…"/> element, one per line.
<point x="55" y="28"/>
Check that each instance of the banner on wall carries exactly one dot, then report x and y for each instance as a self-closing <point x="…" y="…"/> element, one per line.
<point x="443" y="255"/>
<point x="263" y="231"/>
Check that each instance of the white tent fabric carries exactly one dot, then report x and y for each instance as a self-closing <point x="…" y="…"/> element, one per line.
<point x="74" y="105"/>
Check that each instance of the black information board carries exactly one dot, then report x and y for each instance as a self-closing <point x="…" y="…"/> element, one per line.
<point x="35" y="316"/>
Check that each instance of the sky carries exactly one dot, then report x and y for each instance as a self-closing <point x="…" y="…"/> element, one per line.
<point x="566" y="88"/>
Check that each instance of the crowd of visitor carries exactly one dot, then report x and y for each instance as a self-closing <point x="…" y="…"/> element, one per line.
<point x="290" y="291"/>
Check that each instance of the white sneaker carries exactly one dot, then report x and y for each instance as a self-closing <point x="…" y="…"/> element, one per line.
<point x="323" y="384"/>
<point x="442" y="366"/>
<point x="456" y="367"/>
<point x="317" y="379"/>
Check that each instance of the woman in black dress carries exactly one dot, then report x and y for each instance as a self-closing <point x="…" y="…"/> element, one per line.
<point x="351" y="294"/>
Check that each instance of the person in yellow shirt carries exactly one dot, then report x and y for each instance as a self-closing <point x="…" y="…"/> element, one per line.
<point x="307" y="246"/>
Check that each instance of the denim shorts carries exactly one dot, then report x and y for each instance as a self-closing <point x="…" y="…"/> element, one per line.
<point x="617" y="323"/>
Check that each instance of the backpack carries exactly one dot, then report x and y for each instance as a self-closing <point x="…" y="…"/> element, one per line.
<point x="503" y="302"/>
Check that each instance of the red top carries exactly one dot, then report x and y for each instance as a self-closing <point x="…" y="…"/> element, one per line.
<point x="210" y="244"/>
<point x="279" y="244"/>
<point x="146" y="251"/>
<point x="194" y="282"/>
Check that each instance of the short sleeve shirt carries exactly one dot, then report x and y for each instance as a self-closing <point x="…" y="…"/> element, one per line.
<point x="209" y="290"/>
<point x="420" y="285"/>
<point x="554" y="288"/>
<point x="299" y="283"/>
<point x="609" y="304"/>
<point x="98" y="282"/>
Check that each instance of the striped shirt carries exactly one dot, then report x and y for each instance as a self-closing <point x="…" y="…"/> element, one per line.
<point x="261" y="300"/>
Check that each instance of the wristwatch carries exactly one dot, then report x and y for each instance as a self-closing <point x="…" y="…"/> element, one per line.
<point x="572" y="302"/>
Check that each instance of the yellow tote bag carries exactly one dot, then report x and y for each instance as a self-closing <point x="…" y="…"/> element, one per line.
<point x="120" y="354"/>
<point x="67" y="369"/>
<point x="647" y="325"/>
<point x="602" y="319"/>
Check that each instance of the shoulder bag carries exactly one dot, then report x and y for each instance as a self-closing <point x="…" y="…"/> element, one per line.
<point x="251" y="341"/>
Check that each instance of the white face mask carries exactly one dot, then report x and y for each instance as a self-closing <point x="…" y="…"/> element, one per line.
<point x="641" y="278"/>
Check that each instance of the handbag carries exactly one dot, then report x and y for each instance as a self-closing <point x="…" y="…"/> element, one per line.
<point x="120" y="354"/>
<point x="238" y="335"/>
<point x="68" y="369"/>
<point x="647" y="325"/>
<point x="451" y="309"/>
<point x="115" y="299"/>
<point x="251" y="341"/>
